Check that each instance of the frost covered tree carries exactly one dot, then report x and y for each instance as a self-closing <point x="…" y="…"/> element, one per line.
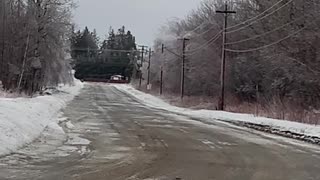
<point x="34" y="43"/>
<point x="273" y="52"/>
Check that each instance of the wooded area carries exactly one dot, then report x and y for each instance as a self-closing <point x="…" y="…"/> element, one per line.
<point x="33" y="43"/>
<point x="272" y="53"/>
<point x="273" y="56"/>
<point x="116" y="55"/>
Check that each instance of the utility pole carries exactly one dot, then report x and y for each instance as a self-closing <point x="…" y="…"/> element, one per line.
<point x="226" y="12"/>
<point x="183" y="66"/>
<point x="162" y="48"/>
<point x="142" y="57"/>
<point x="149" y="70"/>
<point x="161" y="72"/>
<point x="161" y="80"/>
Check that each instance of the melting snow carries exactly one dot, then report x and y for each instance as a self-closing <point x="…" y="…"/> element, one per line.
<point x="24" y="119"/>
<point x="210" y="115"/>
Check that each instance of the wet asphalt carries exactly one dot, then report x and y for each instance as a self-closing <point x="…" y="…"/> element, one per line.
<point x="109" y="135"/>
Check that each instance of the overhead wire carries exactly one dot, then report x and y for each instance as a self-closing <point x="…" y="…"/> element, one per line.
<point x="265" y="46"/>
<point x="256" y="17"/>
<point x="194" y="30"/>
<point x="212" y="40"/>
<point x="108" y="50"/>
<point x="266" y="33"/>
<point x="252" y="19"/>
<point x="267" y="15"/>
<point x="208" y="30"/>
<point x="173" y="52"/>
<point x="231" y="27"/>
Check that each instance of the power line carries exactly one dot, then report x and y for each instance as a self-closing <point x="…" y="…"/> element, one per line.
<point x="198" y="27"/>
<point x="173" y="52"/>
<point x="267" y="15"/>
<point x="231" y="27"/>
<point x="260" y="35"/>
<point x="205" y="45"/>
<point x="256" y="17"/>
<point x="195" y="29"/>
<point x="205" y="32"/>
<point x="108" y="50"/>
<point x="266" y="46"/>
<point x="211" y="41"/>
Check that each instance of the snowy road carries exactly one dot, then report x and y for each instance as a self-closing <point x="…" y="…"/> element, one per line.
<point x="111" y="136"/>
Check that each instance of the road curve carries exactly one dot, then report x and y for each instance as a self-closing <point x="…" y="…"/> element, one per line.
<point x="111" y="136"/>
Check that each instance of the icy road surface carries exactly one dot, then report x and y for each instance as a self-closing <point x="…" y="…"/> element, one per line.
<point x="108" y="135"/>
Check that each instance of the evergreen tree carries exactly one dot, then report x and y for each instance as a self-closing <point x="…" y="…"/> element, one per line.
<point x="107" y="60"/>
<point x="84" y="45"/>
<point x="95" y="37"/>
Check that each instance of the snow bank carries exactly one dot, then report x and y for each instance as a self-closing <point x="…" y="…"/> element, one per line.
<point x="210" y="115"/>
<point x="23" y="119"/>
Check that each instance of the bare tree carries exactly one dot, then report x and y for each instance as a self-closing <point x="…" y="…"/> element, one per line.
<point x="273" y="46"/>
<point x="34" y="43"/>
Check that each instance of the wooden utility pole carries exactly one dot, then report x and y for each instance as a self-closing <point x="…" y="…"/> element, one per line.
<point x="161" y="72"/>
<point x="149" y="70"/>
<point x="161" y="79"/>
<point x="162" y="48"/>
<point x="183" y="66"/>
<point x="142" y="57"/>
<point x="183" y="57"/>
<point x="226" y="12"/>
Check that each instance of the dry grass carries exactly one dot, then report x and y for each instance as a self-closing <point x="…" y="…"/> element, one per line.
<point x="275" y="109"/>
<point x="9" y="94"/>
<point x="5" y="94"/>
<point x="193" y="102"/>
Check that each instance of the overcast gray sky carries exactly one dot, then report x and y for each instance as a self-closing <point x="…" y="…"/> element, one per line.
<point x="143" y="17"/>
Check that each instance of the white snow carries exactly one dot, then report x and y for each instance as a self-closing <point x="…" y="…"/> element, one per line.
<point x="210" y="115"/>
<point x="24" y="119"/>
<point x="69" y="125"/>
<point x="62" y="119"/>
<point x="75" y="139"/>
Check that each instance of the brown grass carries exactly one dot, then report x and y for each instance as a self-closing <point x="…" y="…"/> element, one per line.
<point x="275" y="108"/>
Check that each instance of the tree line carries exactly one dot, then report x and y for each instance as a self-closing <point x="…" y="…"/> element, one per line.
<point x="273" y="54"/>
<point x="115" y="55"/>
<point x="33" y="42"/>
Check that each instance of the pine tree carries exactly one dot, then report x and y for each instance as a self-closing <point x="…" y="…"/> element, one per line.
<point x="106" y="60"/>
<point x="84" y="45"/>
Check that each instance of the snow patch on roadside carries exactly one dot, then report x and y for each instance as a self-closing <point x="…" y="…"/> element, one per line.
<point x="75" y="139"/>
<point x="62" y="119"/>
<point x="24" y="119"/>
<point x="69" y="125"/>
<point x="210" y="115"/>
